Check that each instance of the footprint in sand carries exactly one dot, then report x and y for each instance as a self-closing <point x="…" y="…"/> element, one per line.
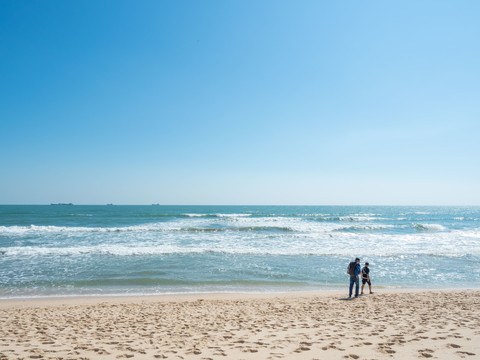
<point x="276" y="356"/>
<point x="301" y="348"/>
<point x="220" y="353"/>
<point x="385" y="348"/>
<point x="306" y="343"/>
<point x="465" y="353"/>
<point x="331" y="346"/>
<point x="455" y="346"/>
<point x="427" y="353"/>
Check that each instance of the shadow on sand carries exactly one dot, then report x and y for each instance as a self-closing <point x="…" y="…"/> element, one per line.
<point x="352" y="298"/>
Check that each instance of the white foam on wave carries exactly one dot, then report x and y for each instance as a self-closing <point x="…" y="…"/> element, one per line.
<point x="233" y="215"/>
<point x="358" y="218"/>
<point x="367" y="227"/>
<point x="155" y="251"/>
<point x="37" y="229"/>
<point x="455" y="243"/>
<point x="294" y="224"/>
<point x="473" y="233"/>
<point x="198" y="225"/>
<point x="116" y="250"/>
<point x="244" y="234"/>
<point x="195" y="215"/>
<point x="77" y="231"/>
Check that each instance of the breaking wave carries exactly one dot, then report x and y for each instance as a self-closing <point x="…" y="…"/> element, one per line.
<point x="429" y="227"/>
<point x="34" y="229"/>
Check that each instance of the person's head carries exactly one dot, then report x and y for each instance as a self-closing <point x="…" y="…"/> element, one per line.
<point x="366" y="264"/>
<point x="357" y="260"/>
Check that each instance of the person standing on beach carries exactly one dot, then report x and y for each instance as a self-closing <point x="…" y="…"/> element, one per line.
<point x="366" y="278"/>
<point x="354" y="270"/>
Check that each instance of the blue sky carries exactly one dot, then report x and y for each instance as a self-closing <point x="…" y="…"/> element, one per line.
<point x="240" y="102"/>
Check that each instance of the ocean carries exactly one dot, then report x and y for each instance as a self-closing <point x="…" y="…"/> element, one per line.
<point x="73" y="250"/>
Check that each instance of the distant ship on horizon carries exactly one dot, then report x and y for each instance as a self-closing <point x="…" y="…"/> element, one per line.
<point x="61" y="204"/>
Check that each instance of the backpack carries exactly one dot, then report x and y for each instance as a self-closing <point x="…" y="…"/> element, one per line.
<point x="351" y="268"/>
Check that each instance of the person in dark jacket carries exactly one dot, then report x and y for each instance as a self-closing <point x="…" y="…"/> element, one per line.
<point x="354" y="277"/>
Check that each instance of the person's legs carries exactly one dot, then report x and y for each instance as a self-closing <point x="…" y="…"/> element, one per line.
<point x="357" y="285"/>
<point x="352" y="280"/>
<point x="370" y="287"/>
<point x="363" y="285"/>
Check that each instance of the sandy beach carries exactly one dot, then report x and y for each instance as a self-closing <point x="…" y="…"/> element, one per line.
<point x="321" y="325"/>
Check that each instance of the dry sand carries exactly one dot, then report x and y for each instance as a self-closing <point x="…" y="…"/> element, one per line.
<point x="385" y="325"/>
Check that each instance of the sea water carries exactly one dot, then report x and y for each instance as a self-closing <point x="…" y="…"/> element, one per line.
<point x="69" y="250"/>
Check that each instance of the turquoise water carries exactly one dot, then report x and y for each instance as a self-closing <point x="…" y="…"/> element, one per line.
<point x="56" y="250"/>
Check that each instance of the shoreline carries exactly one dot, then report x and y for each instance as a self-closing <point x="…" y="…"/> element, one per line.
<point x="176" y="297"/>
<point x="296" y="325"/>
<point x="188" y="297"/>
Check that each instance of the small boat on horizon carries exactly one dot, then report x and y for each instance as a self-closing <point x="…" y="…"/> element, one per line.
<point x="61" y="204"/>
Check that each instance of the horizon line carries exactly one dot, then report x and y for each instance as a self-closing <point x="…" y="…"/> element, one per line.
<point x="158" y="204"/>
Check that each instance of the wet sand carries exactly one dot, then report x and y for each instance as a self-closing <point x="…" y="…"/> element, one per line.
<point x="319" y="325"/>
